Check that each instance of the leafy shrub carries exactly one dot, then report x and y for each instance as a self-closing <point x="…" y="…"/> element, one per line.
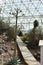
<point x="12" y="61"/>
<point x="11" y="33"/>
<point x="20" y="33"/>
<point x="36" y="23"/>
<point x="25" y="37"/>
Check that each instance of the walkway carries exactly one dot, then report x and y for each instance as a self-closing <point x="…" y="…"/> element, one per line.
<point x="27" y="55"/>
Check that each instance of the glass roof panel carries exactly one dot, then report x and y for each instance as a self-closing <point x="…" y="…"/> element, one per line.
<point x="32" y="9"/>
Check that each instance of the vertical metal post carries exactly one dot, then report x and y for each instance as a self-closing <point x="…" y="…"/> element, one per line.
<point x="41" y="51"/>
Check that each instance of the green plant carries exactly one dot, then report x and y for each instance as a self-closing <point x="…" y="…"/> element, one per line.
<point x="12" y="61"/>
<point x="6" y="25"/>
<point x="11" y="33"/>
<point x="20" y="33"/>
<point x="36" y="23"/>
<point x="3" y="26"/>
<point x="25" y="37"/>
<point x="1" y="23"/>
